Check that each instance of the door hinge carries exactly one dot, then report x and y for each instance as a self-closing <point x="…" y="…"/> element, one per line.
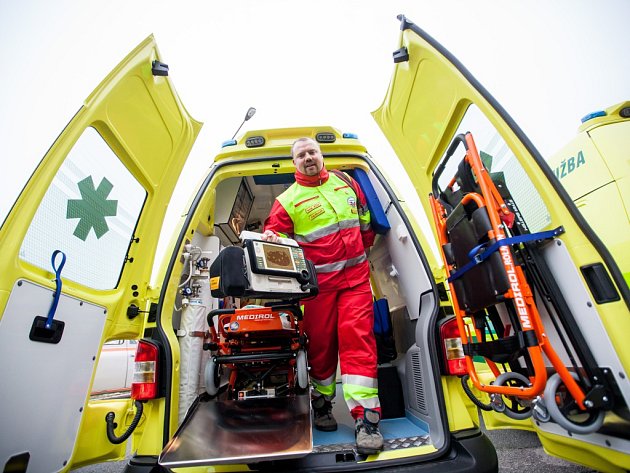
<point x="159" y="68"/>
<point x="401" y="55"/>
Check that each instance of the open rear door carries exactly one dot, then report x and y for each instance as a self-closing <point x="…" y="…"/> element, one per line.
<point x="432" y="99"/>
<point x="77" y="252"/>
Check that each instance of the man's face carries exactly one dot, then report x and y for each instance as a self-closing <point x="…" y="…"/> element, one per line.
<point x="307" y="157"/>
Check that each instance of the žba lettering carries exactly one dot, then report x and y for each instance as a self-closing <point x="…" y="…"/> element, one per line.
<point x="567" y="166"/>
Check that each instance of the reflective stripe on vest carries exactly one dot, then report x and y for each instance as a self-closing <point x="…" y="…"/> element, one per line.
<point x="309" y="208"/>
<point x="327" y="230"/>
<point x="339" y="265"/>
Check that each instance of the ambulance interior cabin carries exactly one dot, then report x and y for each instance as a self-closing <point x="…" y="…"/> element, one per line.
<point x="414" y="323"/>
<point x="408" y="368"/>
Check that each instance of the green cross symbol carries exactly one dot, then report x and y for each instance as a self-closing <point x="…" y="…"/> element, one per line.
<point x="92" y="208"/>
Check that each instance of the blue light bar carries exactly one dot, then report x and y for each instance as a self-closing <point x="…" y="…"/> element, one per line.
<point x="590" y="116"/>
<point x="352" y="136"/>
<point x="228" y="143"/>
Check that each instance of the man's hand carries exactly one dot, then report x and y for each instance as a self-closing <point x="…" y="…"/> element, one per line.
<point x="270" y="236"/>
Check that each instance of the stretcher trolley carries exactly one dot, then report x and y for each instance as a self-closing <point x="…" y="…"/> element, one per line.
<point x="261" y="346"/>
<point x="498" y="284"/>
<point x="257" y="404"/>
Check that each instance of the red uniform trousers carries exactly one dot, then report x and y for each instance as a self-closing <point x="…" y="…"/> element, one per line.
<point x="340" y="323"/>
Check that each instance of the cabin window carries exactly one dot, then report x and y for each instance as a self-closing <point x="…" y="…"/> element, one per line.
<point x="89" y="212"/>
<point x="501" y="162"/>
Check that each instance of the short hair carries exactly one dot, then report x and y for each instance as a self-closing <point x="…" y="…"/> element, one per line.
<point x="304" y="138"/>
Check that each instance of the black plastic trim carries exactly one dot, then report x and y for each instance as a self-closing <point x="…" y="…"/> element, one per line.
<point x="159" y="68"/>
<point x="599" y="282"/>
<point x="255" y="142"/>
<point x="40" y="333"/>
<point x="325" y="137"/>
<point x="401" y="55"/>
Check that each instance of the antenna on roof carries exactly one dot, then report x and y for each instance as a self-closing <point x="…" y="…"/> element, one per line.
<point x="250" y="113"/>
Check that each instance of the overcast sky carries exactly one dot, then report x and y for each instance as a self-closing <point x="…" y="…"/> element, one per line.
<point x="301" y="63"/>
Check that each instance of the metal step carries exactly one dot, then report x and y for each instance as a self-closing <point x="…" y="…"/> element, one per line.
<point x="246" y="431"/>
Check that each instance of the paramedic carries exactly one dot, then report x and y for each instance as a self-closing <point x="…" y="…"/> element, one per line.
<point x="332" y="225"/>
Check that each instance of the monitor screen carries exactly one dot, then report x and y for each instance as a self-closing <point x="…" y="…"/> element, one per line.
<point x="274" y="257"/>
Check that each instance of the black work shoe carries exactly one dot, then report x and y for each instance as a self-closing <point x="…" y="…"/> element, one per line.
<point x="322" y="413"/>
<point x="368" y="437"/>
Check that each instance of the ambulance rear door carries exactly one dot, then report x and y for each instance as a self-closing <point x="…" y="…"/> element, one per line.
<point x="77" y="254"/>
<point x="431" y="99"/>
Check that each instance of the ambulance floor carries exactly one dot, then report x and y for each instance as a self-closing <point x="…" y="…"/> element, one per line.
<point x="402" y="432"/>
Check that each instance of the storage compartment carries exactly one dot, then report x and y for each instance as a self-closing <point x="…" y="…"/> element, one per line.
<point x="233" y="206"/>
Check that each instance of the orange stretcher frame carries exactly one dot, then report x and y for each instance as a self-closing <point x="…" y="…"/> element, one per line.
<point x="520" y="292"/>
<point x="255" y="325"/>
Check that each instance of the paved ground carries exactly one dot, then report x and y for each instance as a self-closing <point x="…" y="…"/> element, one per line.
<point x="520" y="451"/>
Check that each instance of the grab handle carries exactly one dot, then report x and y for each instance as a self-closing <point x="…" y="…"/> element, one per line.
<point x="47" y="329"/>
<point x="461" y="138"/>
<point x="58" y="283"/>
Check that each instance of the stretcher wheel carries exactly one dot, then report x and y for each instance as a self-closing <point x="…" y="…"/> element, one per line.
<point x="517" y="409"/>
<point x="212" y="377"/>
<point x="590" y="424"/>
<point x="302" y="369"/>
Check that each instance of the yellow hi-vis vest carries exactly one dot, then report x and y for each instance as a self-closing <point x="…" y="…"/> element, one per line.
<point x="327" y="223"/>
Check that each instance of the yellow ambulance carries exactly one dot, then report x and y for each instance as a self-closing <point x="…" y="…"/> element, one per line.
<point x="594" y="169"/>
<point x="79" y="245"/>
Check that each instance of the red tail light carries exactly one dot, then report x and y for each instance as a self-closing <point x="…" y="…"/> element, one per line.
<point x="145" y="373"/>
<point x="452" y="348"/>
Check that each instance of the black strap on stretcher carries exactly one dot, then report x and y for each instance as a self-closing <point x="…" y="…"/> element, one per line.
<point x="503" y="350"/>
<point x="482" y="252"/>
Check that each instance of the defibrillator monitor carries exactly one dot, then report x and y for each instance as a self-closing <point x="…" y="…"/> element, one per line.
<point x="278" y="268"/>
